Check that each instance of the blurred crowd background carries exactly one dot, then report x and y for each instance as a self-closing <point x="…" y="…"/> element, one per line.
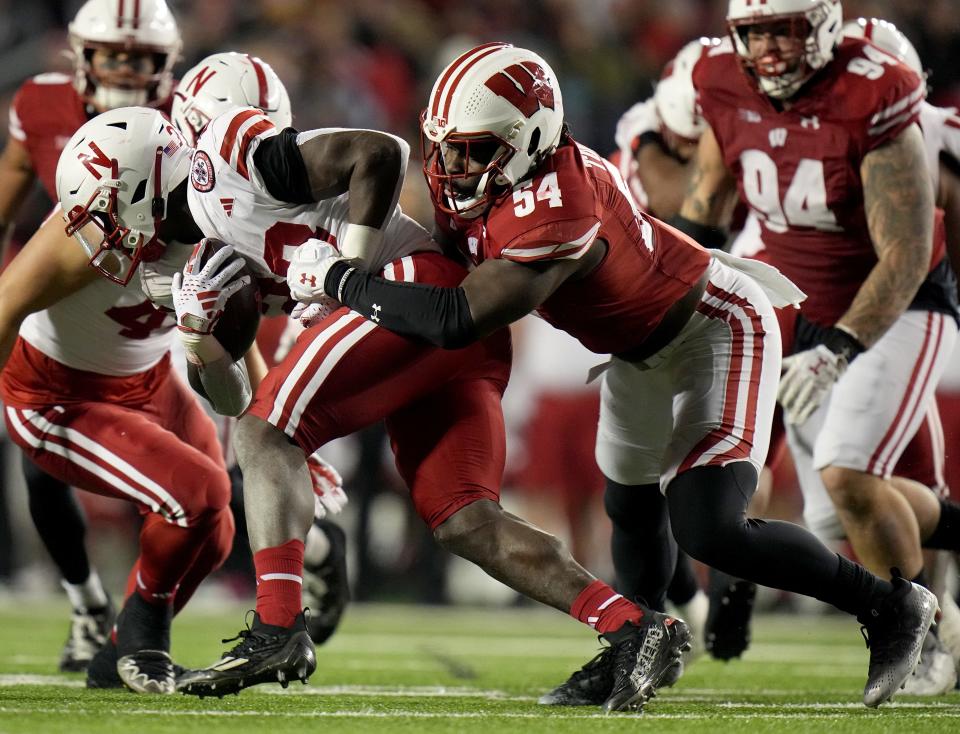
<point x="370" y="63"/>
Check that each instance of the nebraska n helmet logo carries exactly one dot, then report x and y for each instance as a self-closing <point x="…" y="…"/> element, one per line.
<point x="524" y="85"/>
<point x="98" y="159"/>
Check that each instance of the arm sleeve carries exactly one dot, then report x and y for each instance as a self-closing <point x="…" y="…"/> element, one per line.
<point x="223" y="383"/>
<point x="280" y="165"/>
<point x="440" y="316"/>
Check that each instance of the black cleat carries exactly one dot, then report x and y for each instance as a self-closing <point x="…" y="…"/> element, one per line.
<point x="589" y="686"/>
<point x="89" y="630"/>
<point x="143" y="644"/>
<point x="325" y="586"/>
<point x="265" y="654"/>
<point x="102" y="671"/>
<point x="895" y="631"/>
<point x="727" y="632"/>
<point x="646" y="656"/>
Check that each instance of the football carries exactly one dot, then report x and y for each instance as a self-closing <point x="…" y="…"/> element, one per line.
<point x="237" y="328"/>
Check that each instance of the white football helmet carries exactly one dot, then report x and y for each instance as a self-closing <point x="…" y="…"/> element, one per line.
<point x="814" y="22"/>
<point x="496" y="105"/>
<point x="223" y="81"/>
<point x="888" y="37"/>
<point x="675" y="98"/>
<point x="113" y="181"/>
<point x="141" y="27"/>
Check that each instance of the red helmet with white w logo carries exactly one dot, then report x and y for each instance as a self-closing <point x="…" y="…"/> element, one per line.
<point x="498" y="106"/>
<point x="113" y="181"/>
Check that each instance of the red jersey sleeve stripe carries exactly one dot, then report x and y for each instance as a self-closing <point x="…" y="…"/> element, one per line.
<point x="571" y="250"/>
<point x="898" y="120"/>
<point x="253" y="131"/>
<point x="226" y="148"/>
<point x="900" y="105"/>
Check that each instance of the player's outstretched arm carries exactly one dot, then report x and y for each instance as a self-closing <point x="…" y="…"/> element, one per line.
<point x="711" y="193"/>
<point x="898" y="201"/>
<point x="495" y="294"/>
<point x="664" y="176"/>
<point x="51" y="266"/>
<point x="16" y="178"/>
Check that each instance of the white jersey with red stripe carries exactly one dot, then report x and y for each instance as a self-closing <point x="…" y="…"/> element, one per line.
<point x="941" y="134"/>
<point x="229" y="200"/>
<point x="104" y="328"/>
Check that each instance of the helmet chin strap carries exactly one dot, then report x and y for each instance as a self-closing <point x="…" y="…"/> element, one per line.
<point x="109" y="98"/>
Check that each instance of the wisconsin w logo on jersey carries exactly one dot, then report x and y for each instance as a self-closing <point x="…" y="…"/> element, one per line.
<point x="524" y="85"/>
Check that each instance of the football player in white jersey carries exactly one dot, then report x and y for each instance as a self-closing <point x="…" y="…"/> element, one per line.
<point x="121" y="55"/>
<point x="218" y="83"/>
<point x="270" y="192"/>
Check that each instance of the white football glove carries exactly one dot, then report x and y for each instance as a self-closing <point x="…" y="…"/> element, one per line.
<point x="808" y="377"/>
<point x="328" y="494"/>
<point x="200" y="297"/>
<point x="308" y="268"/>
<point x="309" y="314"/>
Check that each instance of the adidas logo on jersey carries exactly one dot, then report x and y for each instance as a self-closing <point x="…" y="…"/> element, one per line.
<point x="227" y="205"/>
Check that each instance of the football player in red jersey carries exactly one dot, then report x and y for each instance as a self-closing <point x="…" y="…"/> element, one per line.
<point x="820" y="137"/>
<point x="123" y="54"/>
<point x="266" y="191"/>
<point x="688" y="397"/>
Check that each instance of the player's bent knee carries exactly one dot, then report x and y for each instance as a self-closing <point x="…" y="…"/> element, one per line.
<point x="708" y="509"/>
<point x="468" y="529"/>
<point x="254" y="437"/>
<point x="848" y="488"/>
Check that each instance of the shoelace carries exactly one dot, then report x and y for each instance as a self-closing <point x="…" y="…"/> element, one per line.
<point x="601" y="664"/>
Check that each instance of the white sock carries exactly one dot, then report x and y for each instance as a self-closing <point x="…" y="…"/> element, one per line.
<point x="317" y="547"/>
<point x="88" y="595"/>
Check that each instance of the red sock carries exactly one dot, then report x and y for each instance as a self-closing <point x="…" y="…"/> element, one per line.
<point x="604" y="609"/>
<point x="279" y="582"/>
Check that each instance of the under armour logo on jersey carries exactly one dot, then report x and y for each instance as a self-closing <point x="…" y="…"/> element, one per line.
<point x="524" y="85"/>
<point x="778" y="137"/>
<point x="376" y="313"/>
<point x="750" y="116"/>
<point x="473" y="243"/>
<point x="810" y="123"/>
<point x="312" y="280"/>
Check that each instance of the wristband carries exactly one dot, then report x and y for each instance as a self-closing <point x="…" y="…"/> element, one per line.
<point x="843" y="342"/>
<point x="360" y="242"/>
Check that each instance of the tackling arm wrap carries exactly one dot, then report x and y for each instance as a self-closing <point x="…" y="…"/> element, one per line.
<point x="440" y="316"/>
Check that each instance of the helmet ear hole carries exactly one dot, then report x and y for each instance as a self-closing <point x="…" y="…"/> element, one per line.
<point x="534" y="142"/>
<point x="139" y="192"/>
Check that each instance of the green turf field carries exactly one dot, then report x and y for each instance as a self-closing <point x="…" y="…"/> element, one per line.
<point x="422" y="669"/>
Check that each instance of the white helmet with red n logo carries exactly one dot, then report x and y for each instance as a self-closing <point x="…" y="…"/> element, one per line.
<point x="502" y="106"/>
<point x="114" y="178"/>
<point x="222" y="82"/>
<point x="139" y="27"/>
<point x="815" y="24"/>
